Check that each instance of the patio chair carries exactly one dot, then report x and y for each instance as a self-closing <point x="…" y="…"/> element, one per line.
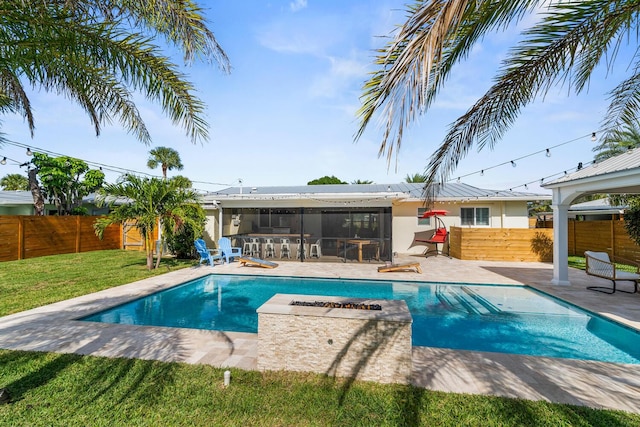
<point x="228" y="252"/>
<point x="440" y="236"/>
<point x="206" y="255"/>
<point x="599" y="264"/>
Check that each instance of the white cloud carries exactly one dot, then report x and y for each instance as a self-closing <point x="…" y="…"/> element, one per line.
<point x="297" y="5"/>
<point x="339" y="78"/>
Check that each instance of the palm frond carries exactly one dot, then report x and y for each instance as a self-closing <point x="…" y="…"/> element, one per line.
<point x="415" y="64"/>
<point x="552" y="54"/>
<point x="93" y="52"/>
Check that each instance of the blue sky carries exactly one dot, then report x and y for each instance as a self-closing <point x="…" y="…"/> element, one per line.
<point x="286" y="113"/>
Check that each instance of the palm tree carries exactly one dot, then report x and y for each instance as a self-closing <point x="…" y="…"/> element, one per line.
<point x="14" y="182"/>
<point x="564" y="46"/>
<point x="416" y="177"/>
<point x="147" y="201"/>
<point x="617" y="142"/>
<point x="167" y="157"/>
<point x="362" y="181"/>
<point x="99" y="53"/>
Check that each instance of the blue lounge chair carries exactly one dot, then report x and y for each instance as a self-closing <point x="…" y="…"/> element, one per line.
<point x="206" y="254"/>
<point x="227" y="251"/>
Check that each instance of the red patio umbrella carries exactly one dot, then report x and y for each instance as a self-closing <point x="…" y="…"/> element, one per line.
<point x="436" y="213"/>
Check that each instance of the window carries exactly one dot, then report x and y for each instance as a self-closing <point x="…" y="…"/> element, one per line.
<point x="474" y="216"/>
<point x="423" y="221"/>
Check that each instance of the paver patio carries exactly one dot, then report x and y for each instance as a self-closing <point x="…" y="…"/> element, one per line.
<point x="594" y="384"/>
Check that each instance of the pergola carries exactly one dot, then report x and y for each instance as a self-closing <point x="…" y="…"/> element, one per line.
<point x="616" y="175"/>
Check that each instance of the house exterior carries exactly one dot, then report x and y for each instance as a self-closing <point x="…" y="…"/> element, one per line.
<point x="387" y="216"/>
<point x="18" y="203"/>
<point x="21" y="203"/>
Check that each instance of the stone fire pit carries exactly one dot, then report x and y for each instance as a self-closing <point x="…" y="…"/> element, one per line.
<point x="346" y="337"/>
<point x="330" y="304"/>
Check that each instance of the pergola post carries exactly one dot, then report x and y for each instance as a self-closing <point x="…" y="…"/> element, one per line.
<point x="560" y="243"/>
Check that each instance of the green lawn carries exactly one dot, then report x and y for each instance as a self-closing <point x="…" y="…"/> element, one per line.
<point x="35" y="282"/>
<point x="69" y="390"/>
<point x="577" y="262"/>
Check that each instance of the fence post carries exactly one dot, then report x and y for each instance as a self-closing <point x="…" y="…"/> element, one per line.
<point x="77" y="234"/>
<point x="20" y="237"/>
<point x="613" y="237"/>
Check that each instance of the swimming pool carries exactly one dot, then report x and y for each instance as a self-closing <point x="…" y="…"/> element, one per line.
<point x="506" y="319"/>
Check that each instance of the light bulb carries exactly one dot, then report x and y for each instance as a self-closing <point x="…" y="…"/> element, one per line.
<point x="513" y="163"/>
<point x="526" y="187"/>
<point x="482" y="172"/>
<point x="3" y="161"/>
<point x="593" y="136"/>
<point x="458" y="180"/>
<point x="548" y="153"/>
<point x="29" y="152"/>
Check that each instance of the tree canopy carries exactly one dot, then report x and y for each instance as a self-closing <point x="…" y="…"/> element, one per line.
<point x="14" y="182"/>
<point x="65" y="181"/>
<point x="166" y="157"/>
<point x="100" y="53"/>
<point x="416" y="177"/>
<point x="563" y="47"/>
<point x="326" y="180"/>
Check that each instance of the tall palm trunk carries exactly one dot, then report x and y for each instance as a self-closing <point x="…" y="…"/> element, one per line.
<point x="38" y="199"/>
<point x="149" y="249"/>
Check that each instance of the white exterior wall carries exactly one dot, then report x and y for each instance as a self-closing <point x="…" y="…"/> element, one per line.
<point x="511" y="214"/>
<point x="211" y="228"/>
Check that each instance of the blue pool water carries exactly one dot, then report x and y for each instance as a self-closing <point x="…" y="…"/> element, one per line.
<point x="506" y="319"/>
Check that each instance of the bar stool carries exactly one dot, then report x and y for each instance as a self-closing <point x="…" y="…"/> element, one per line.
<point x="285" y="249"/>
<point x="246" y="246"/>
<point x="255" y="247"/>
<point x="315" y="250"/>
<point x="269" y="248"/>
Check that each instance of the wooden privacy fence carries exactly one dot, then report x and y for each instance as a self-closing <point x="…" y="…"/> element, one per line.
<point x="23" y="237"/>
<point x="501" y="244"/>
<point x="602" y="236"/>
<point x="536" y="244"/>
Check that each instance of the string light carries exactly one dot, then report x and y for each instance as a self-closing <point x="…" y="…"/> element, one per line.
<point x="546" y="151"/>
<point x="593" y="136"/>
<point x="3" y="161"/>
<point x="102" y="166"/>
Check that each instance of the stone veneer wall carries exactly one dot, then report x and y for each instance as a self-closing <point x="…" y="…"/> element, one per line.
<point x="371" y="345"/>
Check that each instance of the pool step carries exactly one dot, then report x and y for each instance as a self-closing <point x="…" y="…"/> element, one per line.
<point x="489" y="307"/>
<point x="465" y="300"/>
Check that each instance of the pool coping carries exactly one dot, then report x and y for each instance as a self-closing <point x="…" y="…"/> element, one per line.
<point x="54" y="328"/>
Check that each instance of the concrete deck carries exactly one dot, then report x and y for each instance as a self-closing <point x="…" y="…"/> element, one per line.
<point x="595" y="384"/>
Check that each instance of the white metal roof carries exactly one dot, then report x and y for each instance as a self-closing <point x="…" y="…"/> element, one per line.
<point x="404" y="191"/>
<point x="626" y="162"/>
